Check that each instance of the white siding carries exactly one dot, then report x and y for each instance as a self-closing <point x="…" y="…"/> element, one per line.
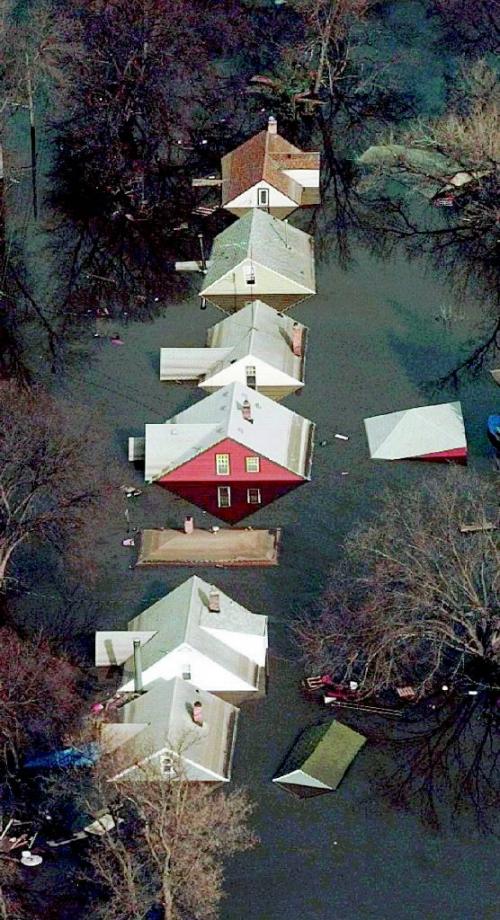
<point x="248" y="199"/>
<point x="205" y="673"/>
<point x="266" y="282"/>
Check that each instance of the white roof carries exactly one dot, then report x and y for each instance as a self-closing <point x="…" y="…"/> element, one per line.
<point x="182" y="617"/>
<point x="267" y="241"/>
<point x="160" y="721"/>
<point x="275" y="432"/>
<point x="416" y="432"/>
<point x="258" y="331"/>
<point x="255" y="334"/>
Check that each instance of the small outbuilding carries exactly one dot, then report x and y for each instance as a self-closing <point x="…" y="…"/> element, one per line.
<point x="260" y="258"/>
<point x="270" y="173"/>
<point x="426" y="433"/>
<point x="172" y="730"/>
<point x="198" y="633"/>
<point x="256" y="346"/>
<point x="319" y="759"/>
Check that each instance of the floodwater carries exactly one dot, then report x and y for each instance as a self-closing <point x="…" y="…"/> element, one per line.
<point x="376" y="337"/>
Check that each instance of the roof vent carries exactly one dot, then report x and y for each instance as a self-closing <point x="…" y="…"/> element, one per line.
<point x="272" y="125"/>
<point x="214" y="601"/>
<point x="246" y="411"/>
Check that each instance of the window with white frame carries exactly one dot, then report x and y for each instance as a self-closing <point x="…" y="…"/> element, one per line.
<point x="167" y="765"/>
<point x="262" y="197"/>
<point x="222" y="464"/>
<point x="252" y="464"/>
<point x="224" y="497"/>
<point x="251" y="376"/>
<point x="253" y="497"/>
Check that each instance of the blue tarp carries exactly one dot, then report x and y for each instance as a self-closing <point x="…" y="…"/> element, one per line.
<point x="85" y="756"/>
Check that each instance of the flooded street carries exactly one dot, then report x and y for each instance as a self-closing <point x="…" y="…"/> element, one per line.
<point x="376" y="336"/>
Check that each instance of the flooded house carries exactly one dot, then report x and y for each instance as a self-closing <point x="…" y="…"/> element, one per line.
<point x="260" y="258"/>
<point x="232" y="453"/>
<point x="424" y="433"/>
<point x="319" y="759"/>
<point x="195" y="632"/>
<point x="257" y="347"/>
<point x="173" y="730"/>
<point x="270" y="173"/>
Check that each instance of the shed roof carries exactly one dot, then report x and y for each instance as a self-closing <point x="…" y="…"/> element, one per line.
<point x="266" y="241"/>
<point x="264" y="156"/>
<point x="322" y="753"/>
<point x="163" y="715"/>
<point x="418" y="432"/>
<point x="275" y="432"/>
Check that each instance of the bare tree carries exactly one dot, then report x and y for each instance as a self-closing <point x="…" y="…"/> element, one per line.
<point x="39" y="694"/>
<point x="172" y="840"/>
<point x="50" y="493"/>
<point x="416" y="602"/>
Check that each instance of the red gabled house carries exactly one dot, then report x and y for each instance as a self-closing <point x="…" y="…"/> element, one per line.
<point x="231" y="453"/>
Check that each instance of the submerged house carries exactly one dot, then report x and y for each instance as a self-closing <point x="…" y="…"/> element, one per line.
<point x="270" y="173"/>
<point x="172" y="730"/>
<point x="231" y="453"/>
<point x="196" y="632"/>
<point x="426" y="433"/>
<point x="260" y="257"/>
<point x="319" y="759"/>
<point x="256" y="346"/>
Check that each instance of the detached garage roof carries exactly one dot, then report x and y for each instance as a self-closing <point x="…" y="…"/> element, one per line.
<point x="319" y="759"/>
<point x="429" y="433"/>
<point x="267" y="241"/>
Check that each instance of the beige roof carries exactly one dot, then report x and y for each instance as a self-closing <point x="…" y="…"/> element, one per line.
<point x="275" y="432"/>
<point x="265" y="157"/>
<point x="267" y="241"/>
<point x="164" y="714"/>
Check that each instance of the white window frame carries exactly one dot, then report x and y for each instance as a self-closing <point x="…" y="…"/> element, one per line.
<point x="251" y="371"/>
<point x="222" y="460"/>
<point x="226" y="491"/>
<point x="262" y="197"/>
<point x="252" y="462"/>
<point x="259" y="497"/>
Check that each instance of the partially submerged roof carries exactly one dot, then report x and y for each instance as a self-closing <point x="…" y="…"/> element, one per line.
<point x="426" y="161"/>
<point x="275" y="432"/>
<point x="265" y="157"/>
<point x="183" y="617"/>
<point x="320" y="757"/>
<point x="255" y="333"/>
<point x="267" y="241"/>
<point x="236" y="547"/>
<point x="428" y="432"/>
<point x="160" y="721"/>
<point x="496" y="375"/>
<point x="259" y="331"/>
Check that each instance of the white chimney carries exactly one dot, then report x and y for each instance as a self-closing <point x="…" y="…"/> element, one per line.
<point x="214" y="601"/>
<point x="246" y="411"/>
<point x="272" y="125"/>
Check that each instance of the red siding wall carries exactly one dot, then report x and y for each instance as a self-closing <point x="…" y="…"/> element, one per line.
<point x="197" y="481"/>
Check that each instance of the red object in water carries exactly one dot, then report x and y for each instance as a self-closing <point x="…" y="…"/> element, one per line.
<point x="458" y="454"/>
<point x="116" y="340"/>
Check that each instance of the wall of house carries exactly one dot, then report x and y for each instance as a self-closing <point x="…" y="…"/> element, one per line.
<point x="267" y="376"/>
<point x="279" y="204"/>
<point x="197" y="481"/>
<point x="205" y="673"/>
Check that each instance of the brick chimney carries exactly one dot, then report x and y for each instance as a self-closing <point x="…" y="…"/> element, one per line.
<point x="272" y="125"/>
<point x="246" y="411"/>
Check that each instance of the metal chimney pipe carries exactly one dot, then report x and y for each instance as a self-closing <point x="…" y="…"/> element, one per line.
<point x="137" y="666"/>
<point x="202" y="252"/>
